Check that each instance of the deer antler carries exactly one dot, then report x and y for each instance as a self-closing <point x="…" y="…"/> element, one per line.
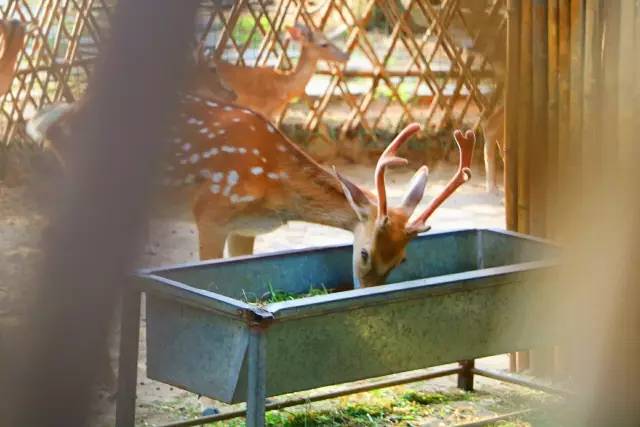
<point x="465" y="144"/>
<point x="389" y="158"/>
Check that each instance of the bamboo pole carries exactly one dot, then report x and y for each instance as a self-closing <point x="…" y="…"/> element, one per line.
<point x="574" y="148"/>
<point x="553" y="83"/>
<point x="524" y="135"/>
<point x="511" y="114"/>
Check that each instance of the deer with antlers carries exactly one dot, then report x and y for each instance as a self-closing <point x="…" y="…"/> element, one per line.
<point x="13" y="36"/>
<point x="267" y="90"/>
<point x="241" y="177"/>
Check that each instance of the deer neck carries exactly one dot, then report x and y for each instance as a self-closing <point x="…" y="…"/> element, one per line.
<point x="304" y="70"/>
<point x="315" y="195"/>
<point x="9" y="53"/>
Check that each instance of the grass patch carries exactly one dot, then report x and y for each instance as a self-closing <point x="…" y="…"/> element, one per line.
<point x="274" y="295"/>
<point x="434" y="398"/>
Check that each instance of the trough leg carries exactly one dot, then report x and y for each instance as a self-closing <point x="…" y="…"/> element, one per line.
<point x="256" y="390"/>
<point x="465" y="377"/>
<point x="128" y="360"/>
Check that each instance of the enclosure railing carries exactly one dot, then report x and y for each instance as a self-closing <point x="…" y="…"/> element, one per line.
<point x="410" y="60"/>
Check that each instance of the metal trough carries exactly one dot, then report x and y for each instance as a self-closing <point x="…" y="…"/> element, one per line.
<point x="460" y="295"/>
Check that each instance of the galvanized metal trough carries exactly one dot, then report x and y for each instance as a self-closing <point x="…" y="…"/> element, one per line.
<point x="460" y="295"/>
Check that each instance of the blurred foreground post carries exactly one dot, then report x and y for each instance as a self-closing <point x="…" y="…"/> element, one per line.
<point x="96" y="226"/>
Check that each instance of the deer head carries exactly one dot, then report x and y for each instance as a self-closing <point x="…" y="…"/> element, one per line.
<point x="382" y="233"/>
<point x="317" y="44"/>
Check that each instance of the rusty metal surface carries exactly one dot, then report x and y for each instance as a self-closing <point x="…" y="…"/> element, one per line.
<point x="461" y="312"/>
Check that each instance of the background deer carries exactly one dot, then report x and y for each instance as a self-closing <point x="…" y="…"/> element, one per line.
<point x="13" y="36"/>
<point x="242" y="177"/>
<point x="268" y="91"/>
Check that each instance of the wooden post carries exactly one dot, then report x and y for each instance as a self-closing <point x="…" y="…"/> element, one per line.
<point x="465" y="377"/>
<point x="524" y="134"/>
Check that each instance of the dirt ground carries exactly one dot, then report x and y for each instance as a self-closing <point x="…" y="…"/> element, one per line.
<point x="21" y="222"/>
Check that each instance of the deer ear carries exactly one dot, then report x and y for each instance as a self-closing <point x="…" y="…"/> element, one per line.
<point x="299" y="32"/>
<point x="416" y="190"/>
<point x="295" y="33"/>
<point x="357" y="198"/>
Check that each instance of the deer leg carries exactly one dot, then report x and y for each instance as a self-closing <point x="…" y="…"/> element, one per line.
<point x="211" y="240"/>
<point x="238" y="245"/>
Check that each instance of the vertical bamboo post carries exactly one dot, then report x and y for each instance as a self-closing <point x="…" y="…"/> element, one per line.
<point x="511" y="124"/>
<point x="540" y="358"/>
<point x="524" y="135"/>
<point x="575" y="94"/>
<point x="553" y="99"/>
<point x="511" y="114"/>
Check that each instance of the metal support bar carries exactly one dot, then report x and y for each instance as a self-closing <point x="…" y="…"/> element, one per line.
<point x="390" y="381"/>
<point x="128" y="359"/>
<point x="465" y="377"/>
<point x="513" y="379"/>
<point x="257" y="379"/>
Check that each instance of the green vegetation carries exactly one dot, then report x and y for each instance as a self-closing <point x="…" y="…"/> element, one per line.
<point x="274" y="295"/>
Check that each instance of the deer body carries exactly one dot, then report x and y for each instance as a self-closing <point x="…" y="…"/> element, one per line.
<point x="268" y="91"/>
<point x="240" y="176"/>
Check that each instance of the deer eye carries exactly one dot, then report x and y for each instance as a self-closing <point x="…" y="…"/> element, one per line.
<point x="364" y="255"/>
<point x="324" y="44"/>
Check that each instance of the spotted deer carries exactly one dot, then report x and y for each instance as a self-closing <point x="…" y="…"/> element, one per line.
<point x="13" y="36"/>
<point x="240" y="177"/>
<point x="267" y="90"/>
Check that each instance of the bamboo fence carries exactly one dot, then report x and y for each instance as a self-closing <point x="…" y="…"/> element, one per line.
<point x="410" y="60"/>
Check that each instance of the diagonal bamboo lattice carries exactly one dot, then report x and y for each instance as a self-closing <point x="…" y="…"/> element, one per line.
<point x="410" y="60"/>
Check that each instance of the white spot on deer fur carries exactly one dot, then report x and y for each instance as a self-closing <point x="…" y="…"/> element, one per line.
<point x="232" y="177"/>
<point x="216" y="124"/>
<point x="270" y="128"/>
<point x="194" y="158"/>
<point x="228" y="109"/>
<point x="284" y="175"/>
<point x="221" y="132"/>
<point x="211" y="135"/>
<point x="192" y="121"/>
<point x="186" y="147"/>
<point x="253" y="128"/>
<point x="177" y="140"/>
<point x="235" y="119"/>
<point x="263" y="160"/>
<point x="211" y="104"/>
<point x="273" y="175"/>
<point x="228" y="149"/>
<point x="204" y="130"/>
<point x="242" y="150"/>
<point x="282" y="148"/>
<point x="215" y="188"/>
<point x="210" y="153"/>
<point x="241" y="199"/>
<point x="183" y="161"/>
<point x="189" y="179"/>
<point x="257" y="170"/>
<point x="205" y="173"/>
<point x="244" y="110"/>
<point x="256" y="151"/>
<point x="217" y="176"/>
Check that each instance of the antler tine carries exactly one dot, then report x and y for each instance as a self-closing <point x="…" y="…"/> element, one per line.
<point x="465" y="144"/>
<point x="389" y="158"/>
